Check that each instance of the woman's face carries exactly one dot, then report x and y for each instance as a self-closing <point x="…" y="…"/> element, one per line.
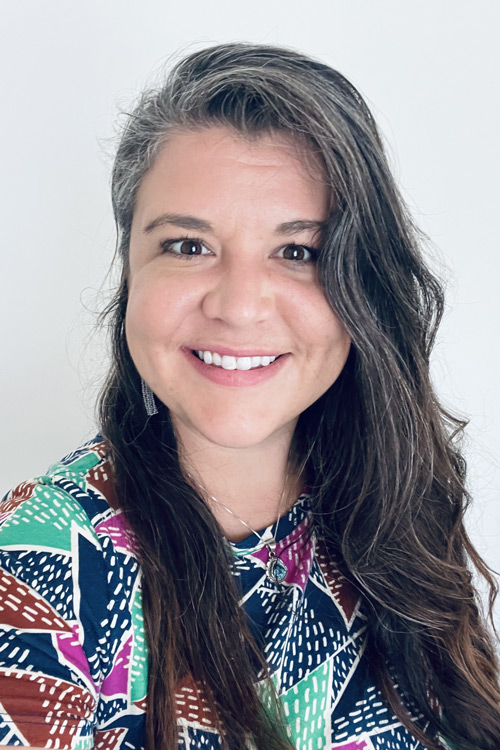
<point x="221" y="268"/>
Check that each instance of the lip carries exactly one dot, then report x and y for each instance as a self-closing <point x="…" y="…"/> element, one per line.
<point x="235" y="378"/>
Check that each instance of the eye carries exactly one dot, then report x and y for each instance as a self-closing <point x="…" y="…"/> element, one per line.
<point x="297" y="253"/>
<point x="185" y="246"/>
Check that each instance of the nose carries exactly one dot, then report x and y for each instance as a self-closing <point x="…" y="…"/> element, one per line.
<point x="240" y="294"/>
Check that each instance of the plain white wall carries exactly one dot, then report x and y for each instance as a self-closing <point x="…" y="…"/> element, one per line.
<point x="429" y="69"/>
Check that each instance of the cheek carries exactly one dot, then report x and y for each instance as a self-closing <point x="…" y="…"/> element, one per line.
<point x="340" y="342"/>
<point x="336" y="350"/>
<point x="339" y="337"/>
<point x="332" y="354"/>
<point x="320" y="325"/>
<point x="330" y="344"/>
<point x="141" y="319"/>
<point x="155" y="308"/>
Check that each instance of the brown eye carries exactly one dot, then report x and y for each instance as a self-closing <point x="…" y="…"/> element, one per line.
<point x="185" y="247"/>
<point x="190" y="247"/>
<point x="297" y="252"/>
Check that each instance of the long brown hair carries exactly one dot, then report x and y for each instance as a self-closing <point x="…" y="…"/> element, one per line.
<point x="388" y="479"/>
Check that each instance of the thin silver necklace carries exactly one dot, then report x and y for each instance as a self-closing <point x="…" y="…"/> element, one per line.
<point x="276" y="569"/>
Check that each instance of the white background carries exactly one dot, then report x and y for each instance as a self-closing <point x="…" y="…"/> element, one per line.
<point x="429" y="69"/>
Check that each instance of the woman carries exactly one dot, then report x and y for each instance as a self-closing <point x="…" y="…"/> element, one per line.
<point x="272" y="455"/>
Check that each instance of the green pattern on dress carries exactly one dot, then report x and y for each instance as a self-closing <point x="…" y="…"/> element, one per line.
<point x="49" y="513"/>
<point x="139" y="659"/>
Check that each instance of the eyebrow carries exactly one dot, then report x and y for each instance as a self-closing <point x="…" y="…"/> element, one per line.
<point x="192" y="222"/>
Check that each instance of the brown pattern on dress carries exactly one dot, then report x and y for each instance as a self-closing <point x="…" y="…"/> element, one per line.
<point x="101" y="449"/>
<point x="65" y="706"/>
<point x="101" y="478"/>
<point x="21" y="607"/>
<point x="141" y="705"/>
<point x="19" y="494"/>
<point x="192" y="705"/>
<point x="343" y="594"/>
<point x="109" y="739"/>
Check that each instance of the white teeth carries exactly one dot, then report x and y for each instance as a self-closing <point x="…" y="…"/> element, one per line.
<point x="243" y="363"/>
<point x="228" y="363"/>
<point x="234" y="363"/>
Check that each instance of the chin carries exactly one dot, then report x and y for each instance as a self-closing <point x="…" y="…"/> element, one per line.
<point x="229" y="432"/>
<point x="236" y="440"/>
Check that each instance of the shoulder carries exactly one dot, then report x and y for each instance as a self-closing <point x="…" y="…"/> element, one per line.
<point x="70" y="611"/>
<point x="67" y="522"/>
<point x="86" y="473"/>
<point x="77" y="490"/>
<point x="65" y="542"/>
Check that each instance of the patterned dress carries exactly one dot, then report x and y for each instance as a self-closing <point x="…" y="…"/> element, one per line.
<point x="73" y="659"/>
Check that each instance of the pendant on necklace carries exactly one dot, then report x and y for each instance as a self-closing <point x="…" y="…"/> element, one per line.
<point x="276" y="569"/>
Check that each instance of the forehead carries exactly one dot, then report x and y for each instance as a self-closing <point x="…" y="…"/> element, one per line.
<point x="198" y="165"/>
<point x="222" y="141"/>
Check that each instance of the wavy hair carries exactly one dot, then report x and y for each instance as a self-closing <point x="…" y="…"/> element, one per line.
<point x="387" y="477"/>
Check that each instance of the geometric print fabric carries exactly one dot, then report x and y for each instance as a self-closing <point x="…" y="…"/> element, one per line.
<point x="73" y="657"/>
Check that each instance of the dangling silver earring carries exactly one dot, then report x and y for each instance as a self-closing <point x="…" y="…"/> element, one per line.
<point x="149" y="399"/>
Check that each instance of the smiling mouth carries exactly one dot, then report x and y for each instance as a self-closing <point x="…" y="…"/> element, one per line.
<point x="227" y="362"/>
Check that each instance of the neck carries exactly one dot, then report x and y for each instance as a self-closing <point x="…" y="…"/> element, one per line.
<point x="256" y="483"/>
